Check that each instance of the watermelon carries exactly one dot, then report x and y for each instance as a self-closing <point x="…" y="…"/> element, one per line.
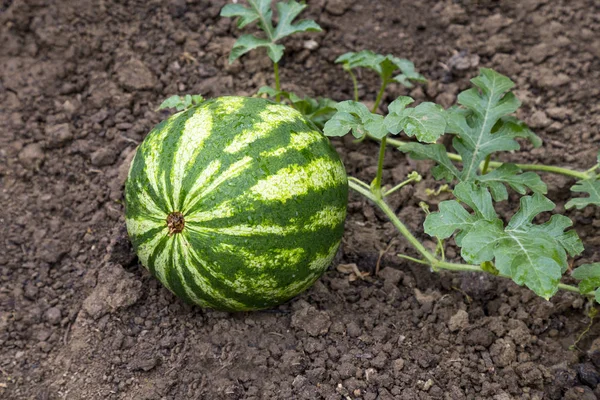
<point x="236" y="204"/>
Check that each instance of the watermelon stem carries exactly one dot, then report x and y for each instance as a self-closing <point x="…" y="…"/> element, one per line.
<point x="175" y="222"/>
<point x="399" y="144"/>
<point x="429" y="259"/>
<point x="384" y="84"/>
<point x="354" y="84"/>
<point x="277" y="84"/>
<point x="376" y="185"/>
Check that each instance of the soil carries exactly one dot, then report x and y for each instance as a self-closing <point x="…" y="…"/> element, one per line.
<point x="81" y="319"/>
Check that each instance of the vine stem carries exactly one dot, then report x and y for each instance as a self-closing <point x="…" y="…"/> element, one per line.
<point x="429" y="259"/>
<point x="277" y="84"/>
<point x="394" y="219"/>
<point x="525" y="167"/>
<point x="376" y="185"/>
<point x="354" y="83"/>
<point x="486" y="164"/>
<point x="379" y="96"/>
<point x="402" y="184"/>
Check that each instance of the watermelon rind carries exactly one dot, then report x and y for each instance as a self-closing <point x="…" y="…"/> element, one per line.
<point x="236" y="204"/>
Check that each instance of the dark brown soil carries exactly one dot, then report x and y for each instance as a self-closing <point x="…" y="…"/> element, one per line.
<point x="80" y="319"/>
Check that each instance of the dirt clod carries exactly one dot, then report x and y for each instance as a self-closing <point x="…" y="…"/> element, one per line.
<point x="311" y="320"/>
<point x="116" y="289"/>
<point x="458" y="321"/>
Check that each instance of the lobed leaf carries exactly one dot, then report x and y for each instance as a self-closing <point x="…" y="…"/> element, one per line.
<point x="181" y="103"/>
<point x="589" y="186"/>
<point x="532" y="255"/>
<point x="510" y="174"/>
<point x="426" y="121"/>
<point x="260" y="11"/>
<point x="319" y="110"/>
<point x="246" y="43"/>
<point x="482" y="126"/>
<point x="589" y="275"/>
<point x="436" y="152"/>
<point x="356" y="117"/>
<point x="385" y="66"/>
<point x="287" y="13"/>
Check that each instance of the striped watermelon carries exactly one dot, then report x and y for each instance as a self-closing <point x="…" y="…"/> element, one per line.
<point x="237" y="204"/>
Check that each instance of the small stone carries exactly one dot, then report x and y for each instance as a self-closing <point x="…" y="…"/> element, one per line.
<point x="353" y="329"/>
<point x="51" y="251"/>
<point x="426" y="298"/>
<point x="480" y="337"/>
<point x="595" y="358"/>
<point x="559" y="113"/>
<point x="391" y="276"/>
<point x="143" y="363"/>
<point x="539" y="119"/>
<point x="398" y="365"/>
<point x="42" y="335"/>
<point x="311" y="44"/>
<point x="116" y="289"/>
<point x="53" y="315"/>
<point x="541" y="52"/>
<point x="579" y="393"/>
<point x="58" y="135"/>
<point x="312" y="321"/>
<point x="588" y="375"/>
<point x="547" y="78"/>
<point x="503" y="352"/>
<point x="103" y="157"/>
<point x="135" y="75"/>
<point x="31" y="156"/>
<point x="458" y="321"/>
<point x="337" y="7"/>
<point x="30" y="291"/>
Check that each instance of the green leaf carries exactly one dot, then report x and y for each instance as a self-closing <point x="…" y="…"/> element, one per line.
<point x="385" y="66"/>
<point x="482" y="126"/>
<point x="556" y="226"/>
<point x="287" y="13"/>
<point x="319" y="110"/>
<point x="246" y="15"/>
<point x="246" y="43"/>
<point x="450" y="218"/>
<point x="181" y="103"/>
<point x="260" y="11"/>
<point x="426" y="121"/>
<point x="437" y="152"/>
<point x="477" y="198"/>
<point x="356" y="117"/>
<point x="589" y="186"/>
<point x="532" y="255"/>
<point x="364" y="58"/>
<point x="511" y="175"/>
<point x="527" y="253"/>
<point x="197" y="99"/>
<point x="511" y="126"/>
<point x="485" y="104"/>
<point x="408" y="74"/>
<point x="589" y="275"/>
<point x="170" y="102"/>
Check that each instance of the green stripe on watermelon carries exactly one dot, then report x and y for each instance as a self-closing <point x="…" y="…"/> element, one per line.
<point x="263" y="195"/>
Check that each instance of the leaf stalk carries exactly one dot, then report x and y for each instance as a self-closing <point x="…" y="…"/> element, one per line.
<point x="277" y="84"/>
<point x="525" y="167"/>
<point x="376" y="185"/>
<point x="429" y="259"/>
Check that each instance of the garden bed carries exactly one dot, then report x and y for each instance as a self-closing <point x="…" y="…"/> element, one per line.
<point x="79" y="318"/>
